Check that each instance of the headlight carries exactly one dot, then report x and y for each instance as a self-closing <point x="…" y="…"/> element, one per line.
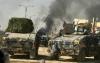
<point x="76" y="41"/>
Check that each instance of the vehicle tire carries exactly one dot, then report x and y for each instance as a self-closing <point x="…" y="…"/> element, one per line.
<point x="31" y="55"/>
<point x="74" y="57"/>
<point x="11" y="53"/>
<point x="54" y="56"/>
<point x="81" y="56"/>
<point x="97" y="56"/>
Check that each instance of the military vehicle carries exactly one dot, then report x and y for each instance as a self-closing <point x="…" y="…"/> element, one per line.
<point x="82" y="43"/>
<point x="18" y="45"/>
<point x="78" y="47"/>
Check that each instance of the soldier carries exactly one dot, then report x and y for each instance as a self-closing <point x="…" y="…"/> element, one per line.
<point x="55" y="51"/>
<point x="36" y="45"/>
<point x="38" y="40"/>
<point x="61" y="32"/>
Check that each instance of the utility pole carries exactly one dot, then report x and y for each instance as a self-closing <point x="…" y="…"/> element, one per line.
<point x="93" y="26"/>
<point x="26" y="9"/>
<point x="0" y="27"/>
<point x="26" y="12"/>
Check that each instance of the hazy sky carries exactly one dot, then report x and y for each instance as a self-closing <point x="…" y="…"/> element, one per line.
<point x="37" y="10"/>
<point x="16" y="8"/>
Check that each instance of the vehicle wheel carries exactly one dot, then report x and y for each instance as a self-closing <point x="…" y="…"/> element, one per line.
<point x="74" y="57"/>
<point x="11" y="53"/>
<point x="54" y="56"/>
<point x="97" y="57"/>
<point x="81" y="55"/>
<point x="31" y="55"/>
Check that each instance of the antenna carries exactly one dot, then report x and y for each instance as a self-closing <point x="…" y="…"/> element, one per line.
<point x="0" y="27"/>
<point x="26" y="9"/>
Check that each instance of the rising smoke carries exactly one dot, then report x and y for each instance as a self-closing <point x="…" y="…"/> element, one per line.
<point x="67" y="10"/>
<point x="57" y="12"/>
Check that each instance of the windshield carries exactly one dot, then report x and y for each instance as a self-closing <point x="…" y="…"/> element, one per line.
<point x="80" y="29"/>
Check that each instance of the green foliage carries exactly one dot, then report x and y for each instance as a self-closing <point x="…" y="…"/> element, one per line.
<point x="20" y="25"/>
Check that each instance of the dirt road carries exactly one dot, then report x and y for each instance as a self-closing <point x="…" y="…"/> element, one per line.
<point x="44" y="55"/>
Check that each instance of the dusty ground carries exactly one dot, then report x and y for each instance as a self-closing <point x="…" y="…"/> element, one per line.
<point x="44" y="55"/>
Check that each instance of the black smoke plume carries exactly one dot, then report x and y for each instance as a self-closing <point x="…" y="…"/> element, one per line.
<point x="57" y="10"/>
<point x="67" y="10"/>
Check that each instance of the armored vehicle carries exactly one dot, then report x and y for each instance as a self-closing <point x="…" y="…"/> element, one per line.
<point x="76" y="46"/>
<point x="82" y="43"/>
<point x="22" y="46"/>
